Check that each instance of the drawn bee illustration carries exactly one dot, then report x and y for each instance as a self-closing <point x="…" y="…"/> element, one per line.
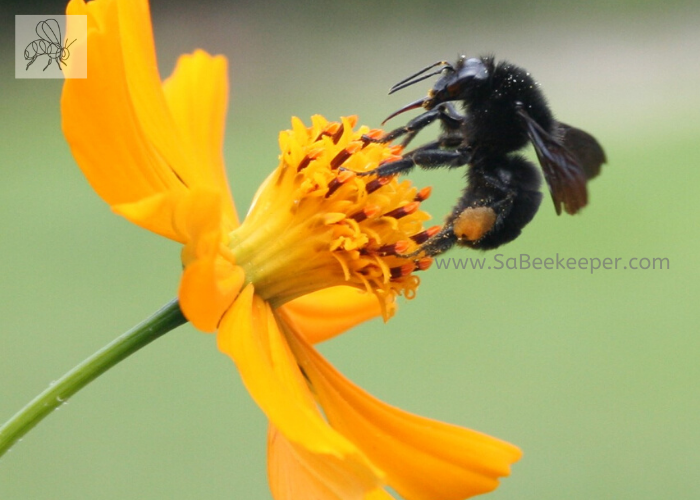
<point x="49" y="43"/>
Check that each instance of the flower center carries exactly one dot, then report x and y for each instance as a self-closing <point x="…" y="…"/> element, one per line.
<point x="314" y="225"/>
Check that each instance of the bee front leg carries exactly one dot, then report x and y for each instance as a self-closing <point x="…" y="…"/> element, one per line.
<point x="445" y="113"/>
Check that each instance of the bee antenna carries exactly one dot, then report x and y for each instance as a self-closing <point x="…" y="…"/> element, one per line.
<point x="410" y="80"/>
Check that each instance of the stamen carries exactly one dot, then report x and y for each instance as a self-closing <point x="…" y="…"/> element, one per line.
<point x="372" y="137"/>
<point x="330" y="130"/>
<point x="311" y="155"/>
<point x="424" y="263"/>
<point x="338" y="134"/>
<point x="367" y="212"/>
<point x="397" y="248"/>
<point x="401" y="271"/>
<point x="346" y="153"/>
<point x="377" y="183"/>
<point x="423" y="194"/>
<point x="424" y="236"/>
<point x="391" y="159"/>
<point x="407" y="209"/>
<point x="343" y="177"/>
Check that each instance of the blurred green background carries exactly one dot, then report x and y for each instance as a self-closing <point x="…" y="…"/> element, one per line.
<point x="595" y="376"/>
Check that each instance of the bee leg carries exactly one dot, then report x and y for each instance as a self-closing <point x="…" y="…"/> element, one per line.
<point x="48" y="64"/>
<point x="410" y="130"/>
<point x="496" y="206"/>
<point x="438" y="244"/>
<point x="445" y="112"/>
<point x="429" y="156"/>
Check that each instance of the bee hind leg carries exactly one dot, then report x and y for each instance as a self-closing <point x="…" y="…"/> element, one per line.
<point x="437" y="244"/>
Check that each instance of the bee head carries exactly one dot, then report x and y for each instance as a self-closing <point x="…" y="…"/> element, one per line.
<point x="458" y="82"/>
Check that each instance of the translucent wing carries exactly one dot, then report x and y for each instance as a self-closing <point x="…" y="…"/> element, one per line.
<point x="584" y="147"/>
<point x="563" y="171"/>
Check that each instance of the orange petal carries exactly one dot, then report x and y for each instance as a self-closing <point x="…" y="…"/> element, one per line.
<point x="211" y="279"/>
<point x="207" y="289"/>
<point x="145" y="88"/>
<point x="329" y="312"/>
<point x="378" y="494"/>
<point x="294" y="473"/>
<point x="423" y="459"/>
<point x="197" y="95"/>
<point x="99" y="116"/>
<point x="250" y="335"/>
<point x="155" y="213"/>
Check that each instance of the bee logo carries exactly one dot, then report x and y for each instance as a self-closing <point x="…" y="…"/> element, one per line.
<point x="49" y="43"/>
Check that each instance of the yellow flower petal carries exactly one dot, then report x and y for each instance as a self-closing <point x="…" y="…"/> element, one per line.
<point x="322" y="315"/>
<point x="155" y="213"/>
<point x="378" y="494"/>
<point x="295" y="473"/>
<point x="423" y="459"/>
<point x="99" y="118"/>
<point x="197" y="95"/>
<point x="250" y="336"/>
<point x="139" y="151"/>
<point x="145" y="88"/>
<point x="211" y="279"/>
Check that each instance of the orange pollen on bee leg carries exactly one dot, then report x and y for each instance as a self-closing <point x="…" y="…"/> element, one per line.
<point x="473" y="223"/>
<point x="407" y="209"/>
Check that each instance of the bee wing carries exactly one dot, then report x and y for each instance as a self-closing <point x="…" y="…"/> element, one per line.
<point x="562" y="170"/>
<point x="584" y="147"/>
<point x="50" y="31"/>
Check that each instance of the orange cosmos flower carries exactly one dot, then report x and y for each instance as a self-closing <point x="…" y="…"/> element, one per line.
<point x="319" y="251"/>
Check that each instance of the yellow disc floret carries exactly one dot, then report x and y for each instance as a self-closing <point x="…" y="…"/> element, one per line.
<point x="314" y="224"/>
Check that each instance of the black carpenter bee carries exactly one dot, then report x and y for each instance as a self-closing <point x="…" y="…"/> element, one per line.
<point x="49" y="43"/>
<point x="504" y="108"/>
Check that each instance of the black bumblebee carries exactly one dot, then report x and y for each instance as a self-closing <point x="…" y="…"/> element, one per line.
<point x="504" y="108"/>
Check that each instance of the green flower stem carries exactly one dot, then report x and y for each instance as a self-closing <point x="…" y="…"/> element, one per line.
<point x="160" y="323"/>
